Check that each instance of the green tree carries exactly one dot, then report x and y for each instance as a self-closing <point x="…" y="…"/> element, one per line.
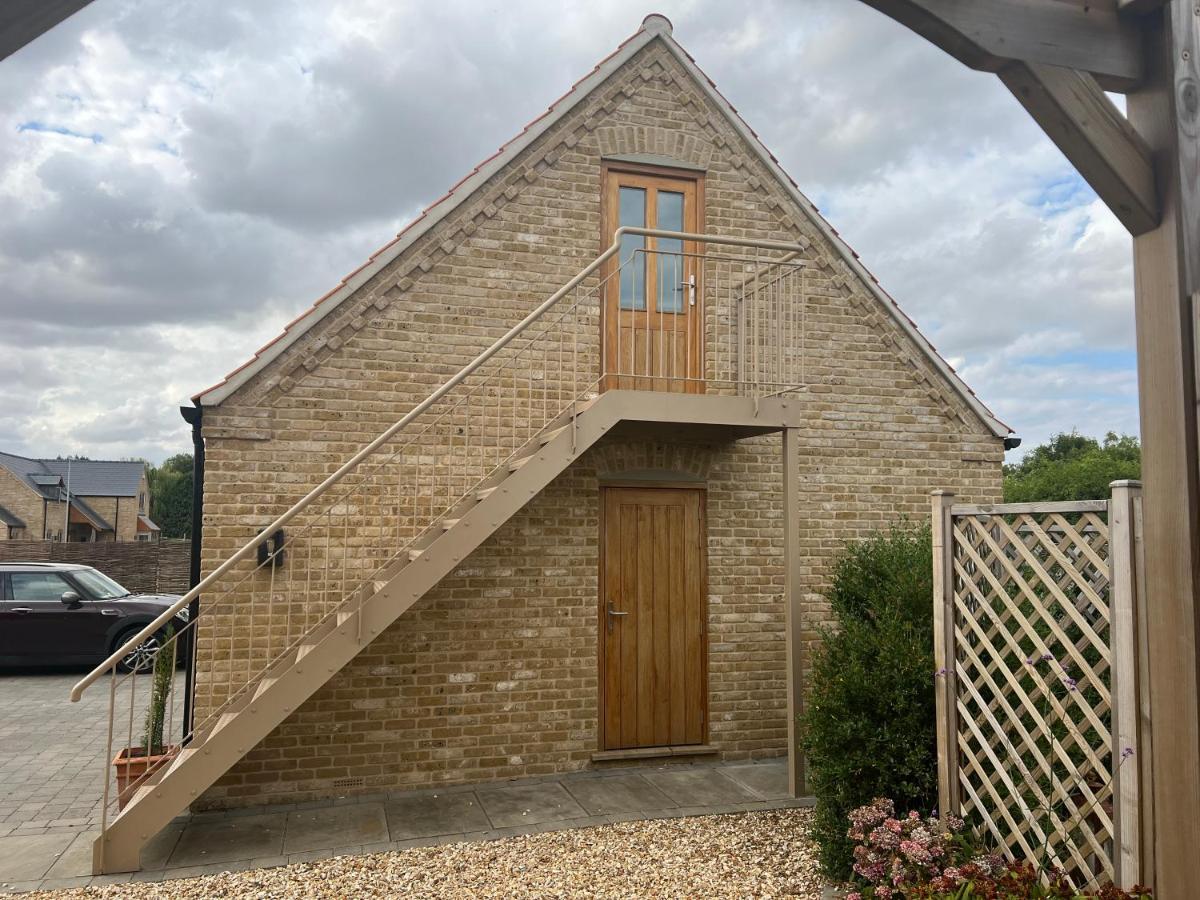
<point x="171" y="495"/>
<point x="1073" y="467"/>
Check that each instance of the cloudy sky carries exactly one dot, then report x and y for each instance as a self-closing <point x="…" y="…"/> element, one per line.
<point x="178" y="178"/>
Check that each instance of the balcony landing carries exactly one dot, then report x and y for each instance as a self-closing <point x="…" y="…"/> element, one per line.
<point x="707" y="417"/>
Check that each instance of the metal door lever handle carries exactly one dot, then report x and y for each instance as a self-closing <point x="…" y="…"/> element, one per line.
<point x="611" y="614"/>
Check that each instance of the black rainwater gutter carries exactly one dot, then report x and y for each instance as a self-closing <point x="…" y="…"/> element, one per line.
<point x="194" y="416"/>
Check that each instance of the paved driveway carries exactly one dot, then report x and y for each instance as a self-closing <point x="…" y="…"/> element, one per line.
<point x="50" y="752"/>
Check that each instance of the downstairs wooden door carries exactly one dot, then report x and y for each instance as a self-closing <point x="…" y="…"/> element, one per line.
<point x="652" y="618"/>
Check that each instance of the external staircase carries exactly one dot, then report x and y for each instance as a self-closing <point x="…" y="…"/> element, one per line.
<point x="432" y="511"/>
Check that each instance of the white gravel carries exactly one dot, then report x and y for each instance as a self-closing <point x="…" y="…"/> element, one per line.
<point x="757" y="854"/>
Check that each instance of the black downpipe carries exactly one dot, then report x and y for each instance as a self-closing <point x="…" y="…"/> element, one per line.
<point x="194" y="416"/>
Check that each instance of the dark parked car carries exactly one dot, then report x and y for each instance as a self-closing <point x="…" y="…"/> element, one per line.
<point x="53" y="613"/>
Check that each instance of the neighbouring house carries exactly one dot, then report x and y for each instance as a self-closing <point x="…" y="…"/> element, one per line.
<point x="578" y="504"/>
<point x="75" y="500"/>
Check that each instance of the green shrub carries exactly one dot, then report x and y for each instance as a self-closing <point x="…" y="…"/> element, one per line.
<point x="868" y="730"/>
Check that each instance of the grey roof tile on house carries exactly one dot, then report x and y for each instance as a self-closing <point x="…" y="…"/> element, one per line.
<point x="7" y="518"/>
<point x="99" y="478"/>
<point x="89" y="477"/>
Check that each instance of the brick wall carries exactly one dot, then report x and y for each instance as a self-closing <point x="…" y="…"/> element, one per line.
<point x="26" y="505"/>
<point x="161" y="567"/>
<point x="493" y="674"/>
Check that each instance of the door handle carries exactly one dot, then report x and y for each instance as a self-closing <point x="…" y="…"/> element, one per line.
<point x="612" y="614"/>
<point x="21" y="609"/>
<point x="110" y="612"/>
<point x="690" y="284"/>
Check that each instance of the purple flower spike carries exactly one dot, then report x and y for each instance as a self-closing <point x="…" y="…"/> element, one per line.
<point x="940" y="673"/>
<point x="1047" y="657"/>
<point x="1070" y="682"/>
<point x="1126" y="753"/>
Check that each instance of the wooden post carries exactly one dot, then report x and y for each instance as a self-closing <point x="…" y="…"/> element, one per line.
<point x="1126" y="685"/>
<point x="945" y="691"/>
<point x="1166" y="112"/>
<point x="794" y="620"/>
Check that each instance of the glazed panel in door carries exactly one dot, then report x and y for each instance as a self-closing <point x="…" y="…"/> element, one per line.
<point x="653" y="321"/>
<point x="652" y="621"/>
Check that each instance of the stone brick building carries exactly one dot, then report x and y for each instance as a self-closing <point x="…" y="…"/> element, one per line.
<point x="714" y="425"/>
<point x="108" y="500"/>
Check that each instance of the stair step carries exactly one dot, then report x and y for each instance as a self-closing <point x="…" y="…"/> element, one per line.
<point x="447" y="524"/>
<point x="517" y="463"/>
<point x="264" y="686"/>
<point x="180" y="758"/>
<point x="380" y="585"/>
<point x="484" y="493"/>
<point x="344" y="615"/>
<point x="140" y="793"/>
<point x="414" y="555"/>
<point x="225" y="719"/>
<point x="551" y="435"/>
<point x="304" y="650"/>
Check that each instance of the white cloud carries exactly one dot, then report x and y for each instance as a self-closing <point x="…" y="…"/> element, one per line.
<point x="179" y="179"/>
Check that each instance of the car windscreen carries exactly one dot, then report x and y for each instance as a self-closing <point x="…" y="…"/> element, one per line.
<point x="98" y="584"/>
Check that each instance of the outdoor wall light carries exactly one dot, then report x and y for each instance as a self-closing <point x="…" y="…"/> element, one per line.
<point x="272" y="549"/>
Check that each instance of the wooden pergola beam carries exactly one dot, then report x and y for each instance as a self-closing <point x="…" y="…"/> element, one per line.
<point x="1138" y="7"/>
<point x="1094" y="135"/>
<point x="1087" y="35"/>
<point x="23" y="20"/>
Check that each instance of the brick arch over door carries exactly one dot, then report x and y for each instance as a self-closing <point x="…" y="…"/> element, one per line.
<point x="649" y="460"/>
<point x="685" y="147"/>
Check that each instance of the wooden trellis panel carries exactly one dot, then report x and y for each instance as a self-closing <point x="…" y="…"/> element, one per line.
<point x="1025" y="637"/>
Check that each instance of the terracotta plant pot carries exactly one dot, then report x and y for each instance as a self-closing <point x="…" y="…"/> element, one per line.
<point x="131" y="764"/>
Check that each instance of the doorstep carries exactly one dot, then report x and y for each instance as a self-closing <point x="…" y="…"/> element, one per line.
<point x="654" y="752"/>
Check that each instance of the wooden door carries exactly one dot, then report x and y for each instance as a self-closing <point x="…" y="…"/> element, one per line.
<point x="653" y="318"/>
<point x="652" y="618"/>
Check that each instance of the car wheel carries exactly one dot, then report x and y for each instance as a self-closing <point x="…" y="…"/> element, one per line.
<point x="141" y="658"/>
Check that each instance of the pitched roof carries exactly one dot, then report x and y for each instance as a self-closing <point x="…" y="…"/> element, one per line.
<point x="89" y="477"/>
<point x="96" y="520"/>
<point x="7" y="518"/>
<point x="654" y="27"/>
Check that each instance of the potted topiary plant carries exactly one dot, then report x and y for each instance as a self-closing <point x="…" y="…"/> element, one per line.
<point x="133" y="763"/>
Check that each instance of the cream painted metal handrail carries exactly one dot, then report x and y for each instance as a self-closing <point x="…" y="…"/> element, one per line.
<point x="735" y="324"/>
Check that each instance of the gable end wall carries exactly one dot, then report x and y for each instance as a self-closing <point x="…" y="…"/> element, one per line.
<point x="494" y="673"/>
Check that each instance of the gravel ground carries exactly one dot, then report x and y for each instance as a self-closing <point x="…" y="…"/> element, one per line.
<point x="757" y="854"/>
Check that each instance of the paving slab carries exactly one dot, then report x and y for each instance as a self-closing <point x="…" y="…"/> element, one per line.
<point x="244" y="837"/>
<point x="616" y="794"/>
<point x="768" y="780"/>
<point x="432" y="815"/>
<point x="76" y="860"/>
<point x="700" y="786"/>
<point x="27" y="857"/>
<point x="338" y="826"/>
<point x="528" y="804"/>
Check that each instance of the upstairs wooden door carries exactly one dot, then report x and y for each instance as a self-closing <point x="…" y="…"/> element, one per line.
<point x="652" y="618"/>
<point x="653" y="318"/>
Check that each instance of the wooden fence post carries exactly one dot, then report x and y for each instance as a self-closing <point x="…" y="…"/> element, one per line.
<point x="1129" y="688"/>
<point x="945" y="689"/>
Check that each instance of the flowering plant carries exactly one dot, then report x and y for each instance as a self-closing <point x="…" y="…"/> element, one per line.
<point x="893" y="856"/>
<point x="915" y="858"/>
